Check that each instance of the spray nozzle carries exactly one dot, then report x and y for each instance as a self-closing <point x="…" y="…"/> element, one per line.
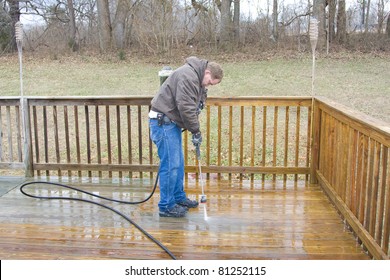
<point x="197" y="148"/>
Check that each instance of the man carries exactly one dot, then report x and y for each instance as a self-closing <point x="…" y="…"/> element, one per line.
<point x="175" y="107"/>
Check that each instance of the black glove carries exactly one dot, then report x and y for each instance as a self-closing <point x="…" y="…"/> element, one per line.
<point x="197" y="139"/>
<point x="200" y="108"/>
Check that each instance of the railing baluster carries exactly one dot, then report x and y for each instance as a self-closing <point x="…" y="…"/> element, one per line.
<point x="297" y="139"/>
<point x="98" y="140"/>
<point x="286" y="138"/>
<point x="77" y="136"/>
<point x="381" y="211"/>
<point x="108" y="131"/>
<point x="264" y="151"/>
<point x="230" y="149"/>
<point x="88" y="137"/>
<point x="219" y="152"/>
<point x="67" y="141"/>
<point x="18" y="133"/>
<point x="140" y="138"/>
<point x="129" y="137"/>
<point x="253" y="140"/>
<point x="374" y="181"/>
<point x="1" y="135"/>
<point x="45" y="137"/>
<point x="9" y="130"/>
<point x="56" y="139"/>
<point x="119" y="133"/>
<point x="242" y="115"/>
<point x="275" y="140"/>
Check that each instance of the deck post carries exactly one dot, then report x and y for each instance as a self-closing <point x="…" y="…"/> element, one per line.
<point x="28" y="165"/>
<point x="315" y="142"/>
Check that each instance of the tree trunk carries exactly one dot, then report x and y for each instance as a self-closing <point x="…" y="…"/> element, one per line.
<point x="72" y="36"/>
<point x="367" y="16"/>
<point x="388" y="26"/>
<point x="226" y="23"/>
<point x="331" y="22"/>
<point x="119" y="24"/>
<point x="104" y="25"/>
<point x="275" y="32"/>
<point x="236" y="21"/>
<point x="363" y="13"/>
<point x="319" y="14"/>
<point x="341" y="23"/>
<point x="381" y="15"/>
<point x="15" y="17"/>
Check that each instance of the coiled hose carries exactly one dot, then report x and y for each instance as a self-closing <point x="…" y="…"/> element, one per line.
<point x="102" y="205"/>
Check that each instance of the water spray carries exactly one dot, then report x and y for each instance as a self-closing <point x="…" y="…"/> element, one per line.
<point x="203" y="198"/>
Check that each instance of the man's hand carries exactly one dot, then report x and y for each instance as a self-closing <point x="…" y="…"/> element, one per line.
<point x="197" y="139"/>
<point x="200" y="108"/>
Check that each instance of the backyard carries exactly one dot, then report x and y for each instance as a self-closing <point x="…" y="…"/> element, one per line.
<point x="360" y="81"/>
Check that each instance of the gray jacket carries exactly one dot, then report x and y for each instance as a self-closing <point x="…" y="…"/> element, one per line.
<point x="180" y="95"/>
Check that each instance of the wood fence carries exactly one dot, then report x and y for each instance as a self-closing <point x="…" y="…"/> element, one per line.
<point x="351" y="163"/>
<point x="245" y="138"/>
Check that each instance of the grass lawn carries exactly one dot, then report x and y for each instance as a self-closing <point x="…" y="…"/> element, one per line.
<point x="358" y="81"/>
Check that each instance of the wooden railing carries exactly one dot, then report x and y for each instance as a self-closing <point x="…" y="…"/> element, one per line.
<point x="11" y="146"/>
<point x="109" y="137"/>
<point x="351" y="162"/>
<point x="251" y="138"/>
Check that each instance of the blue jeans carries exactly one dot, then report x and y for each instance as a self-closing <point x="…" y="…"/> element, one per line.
<point x="168" y="140"/>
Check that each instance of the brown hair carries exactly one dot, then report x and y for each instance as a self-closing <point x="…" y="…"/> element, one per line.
<point x="215" y="70"/>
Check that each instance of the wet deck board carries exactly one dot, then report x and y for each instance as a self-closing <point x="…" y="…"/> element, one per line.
<point x="240" y="221"/>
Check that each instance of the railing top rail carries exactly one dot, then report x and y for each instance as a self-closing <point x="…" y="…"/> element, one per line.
<point x="361" y="119"/>
<point x="145" y="100"/>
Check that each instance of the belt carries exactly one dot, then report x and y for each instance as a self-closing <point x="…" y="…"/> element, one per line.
<point x="162" y="119"/>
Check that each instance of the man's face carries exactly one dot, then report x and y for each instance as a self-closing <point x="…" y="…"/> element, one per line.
<point x="208" y="80"/>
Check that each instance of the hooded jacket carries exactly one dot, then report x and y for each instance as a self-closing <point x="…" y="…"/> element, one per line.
<point x="181" y="93"/>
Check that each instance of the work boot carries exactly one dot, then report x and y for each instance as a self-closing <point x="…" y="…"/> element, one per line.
<point x="188" y="203"/>
<point x="176" y="211"/>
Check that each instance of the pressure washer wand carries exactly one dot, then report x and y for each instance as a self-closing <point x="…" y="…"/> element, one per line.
<point x="203" y="198"/>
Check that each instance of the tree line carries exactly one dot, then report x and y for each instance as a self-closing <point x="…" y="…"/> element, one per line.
<point x="162" y="26"/>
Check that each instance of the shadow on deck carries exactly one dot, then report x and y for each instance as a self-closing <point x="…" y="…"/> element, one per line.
<point x="240" y="221"/>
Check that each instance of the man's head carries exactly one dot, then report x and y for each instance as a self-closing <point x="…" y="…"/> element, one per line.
<point x="213" y="74"/>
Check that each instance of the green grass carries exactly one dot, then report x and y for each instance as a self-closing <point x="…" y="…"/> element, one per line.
<point x="360" y="81"/>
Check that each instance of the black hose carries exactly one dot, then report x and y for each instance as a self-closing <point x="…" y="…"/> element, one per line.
<point x="102" y="205"/>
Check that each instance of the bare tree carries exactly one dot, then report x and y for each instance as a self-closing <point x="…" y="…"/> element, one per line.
<point x="332" y="4"/>
<point x="275" y="32"/>
<point x="236" y="21"/>
<point x="119" y="23"/>
<point x="388" y="26"/>
<point x="104" y="25"/>
<point x="230" y="23"/>
<point x="226" y="23"/>
<point x="72" y="22"/>
<point x="319" y="13"/>
<point x="381" y="15"/>
<point x="366" y="23"/>
<point x="341" y="23"/>
<point x="14" y="14"/>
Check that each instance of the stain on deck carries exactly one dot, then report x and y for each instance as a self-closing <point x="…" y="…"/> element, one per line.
<point x="239" y="221"/>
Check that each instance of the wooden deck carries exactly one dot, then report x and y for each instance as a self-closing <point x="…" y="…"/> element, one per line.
<point x="240" y="221"/>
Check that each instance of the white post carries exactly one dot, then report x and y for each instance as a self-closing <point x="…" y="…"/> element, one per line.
<point x="313" y="33"/>
<point x="19" y="44"/>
